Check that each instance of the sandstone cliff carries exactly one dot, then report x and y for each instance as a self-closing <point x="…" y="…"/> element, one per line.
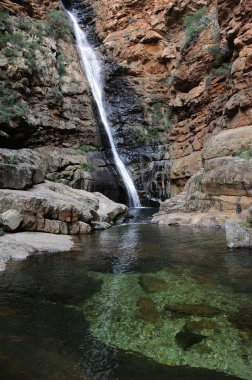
<point x="46" y="103"/>
<point x="48" y="129"/>
<point x="178" y="82"/>
<point x="189" y="62"/>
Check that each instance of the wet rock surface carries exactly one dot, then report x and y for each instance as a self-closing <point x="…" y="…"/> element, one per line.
<point x="197" y="310"/>
<point x="152" y="284"/>
<point x="147" y="310"/>
<point x="242" y="320"/>
<point x="193" y="88"/>
<point x="187" y="339"/>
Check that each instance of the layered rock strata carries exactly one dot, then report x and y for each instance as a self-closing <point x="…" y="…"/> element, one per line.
<point x="190" y="65"/>
<point x="58" y="209"/>
<point x="46" y="104"/>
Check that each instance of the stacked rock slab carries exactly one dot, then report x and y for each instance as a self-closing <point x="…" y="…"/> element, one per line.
<point x="59" y="209"/>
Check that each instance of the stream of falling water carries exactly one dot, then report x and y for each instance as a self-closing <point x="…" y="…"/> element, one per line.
<point x="92" y="68"/>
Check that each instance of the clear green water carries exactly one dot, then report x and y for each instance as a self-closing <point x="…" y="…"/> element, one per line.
<point x="111" y="309"/>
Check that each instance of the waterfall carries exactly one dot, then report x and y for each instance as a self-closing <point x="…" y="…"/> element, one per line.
<point x="92" y="68"/>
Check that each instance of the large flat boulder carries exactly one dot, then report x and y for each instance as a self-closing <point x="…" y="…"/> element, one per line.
<point x="20" y="245"/>
<point x="59" y="209"/>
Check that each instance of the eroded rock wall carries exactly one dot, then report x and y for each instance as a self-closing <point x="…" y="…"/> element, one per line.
<point x="189" y="62"/>
<point x="46" y="104"/>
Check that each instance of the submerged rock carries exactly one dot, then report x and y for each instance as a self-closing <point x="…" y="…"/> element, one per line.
<point x="152" y="284"/>
<point x="242" y="320"/>
<point x="187" y="339"/>
<point x="200" y="325"/>
<point x="147" y="310"/>
<point x="186" y="309"/>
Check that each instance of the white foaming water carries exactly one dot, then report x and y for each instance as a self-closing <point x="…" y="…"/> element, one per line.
<point x="92" y="69"/>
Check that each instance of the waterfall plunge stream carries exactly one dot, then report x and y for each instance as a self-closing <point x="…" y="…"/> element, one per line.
<point x="92" y="69"/>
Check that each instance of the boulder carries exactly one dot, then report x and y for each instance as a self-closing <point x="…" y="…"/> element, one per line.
<point x="227" y="143"/>
<point x="85" y="228"/>
<point x="18" y="177"/>
<point x="20" y="169"/>
<point x="59" y="209"/>
<point x="22" y="244"/>
<point x="10" y="220"/>
<point x="200" y="310"/>
<point x="187" y="339"/>
<point x="100" y="225"/>
<point x="227" y="176"/>
<point x="238" y="235"/>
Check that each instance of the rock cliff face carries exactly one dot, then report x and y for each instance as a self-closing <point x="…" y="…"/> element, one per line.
<point x="46" y="103"/>
<point x="178" y="82"/>
<point x="189" y="65"/>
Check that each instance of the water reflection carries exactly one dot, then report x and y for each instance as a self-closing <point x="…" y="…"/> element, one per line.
<point x="42" y="337"/>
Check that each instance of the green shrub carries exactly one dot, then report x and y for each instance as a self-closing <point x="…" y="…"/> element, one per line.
<point x="194" y="17"/>
<point x="216" y="53"/>
<point x="10" y="105"/>
<point x="19" y="43"/>
<point x="62" y="63"/>
<point x="222" y="71"/>
<point x="154" y="135"/>
<point x="142" y="136"/>
<point x="24" y="24"/>
<point x="10" y="54"/>
<point x="245" y="155"/>
<point x="9" y="112"/>
<point x="246" y="224"/>
<point x="194" y="24"/>
<point x="1" y="232"/>
<point x="52" y="177"/>
<point x="87" y="166"/>
<point x="55" y="94"/>
<point x="4" y="16"/>
<point x="15" y="39"/>
<point x="87" y="148"/>
<point x="12" y="161"/>
<point x="138" y="135"/>
<point x="57" y="25"/>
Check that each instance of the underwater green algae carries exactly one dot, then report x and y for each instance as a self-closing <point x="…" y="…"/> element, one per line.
<point x="130" y="314"/>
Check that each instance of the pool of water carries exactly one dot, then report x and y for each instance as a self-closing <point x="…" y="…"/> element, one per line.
<point x="137" y="301"/>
